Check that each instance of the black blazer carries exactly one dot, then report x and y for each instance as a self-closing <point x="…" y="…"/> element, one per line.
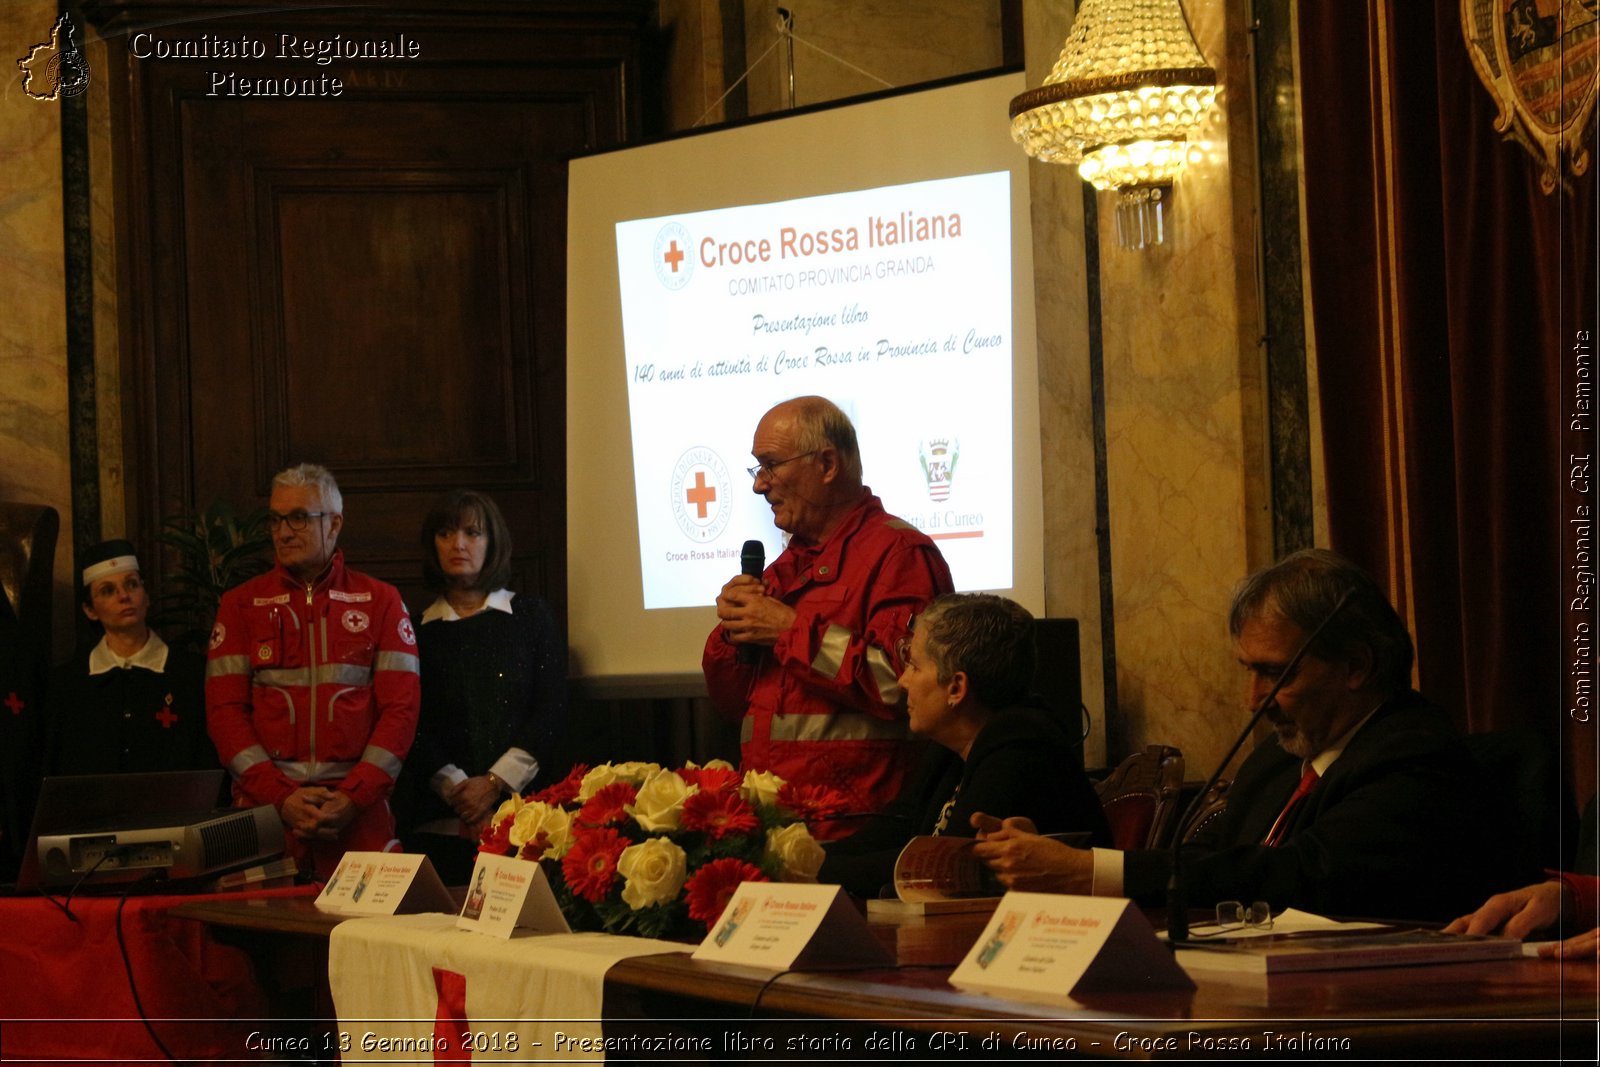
<point x="1402" y="826"/>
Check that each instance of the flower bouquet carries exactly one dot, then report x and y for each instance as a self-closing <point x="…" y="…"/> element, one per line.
<point x="631" y="848"/>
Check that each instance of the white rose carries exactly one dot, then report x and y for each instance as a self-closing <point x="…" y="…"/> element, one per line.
<point x="512" y="805"/>
<point x="597" y="779"/>
<point x="659" y="805"/>
<point x="654" y="871"/>
<point x="549" y="818"/>
<point x="761" y="787"/>
<point x="636" y="772"/>
<point x="797" y="852"/>
<point x="714" y="765"/>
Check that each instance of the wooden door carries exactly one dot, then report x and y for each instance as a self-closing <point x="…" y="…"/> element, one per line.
<point x="373" y="280"/>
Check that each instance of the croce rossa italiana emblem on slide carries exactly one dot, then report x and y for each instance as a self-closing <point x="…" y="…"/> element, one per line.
<point x="1538" y="60"/>
<point x="701" y="490"/>
<point x="55" y="68"/>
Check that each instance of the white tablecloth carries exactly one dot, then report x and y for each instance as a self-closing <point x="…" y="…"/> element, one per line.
<point x="401" y="982"/>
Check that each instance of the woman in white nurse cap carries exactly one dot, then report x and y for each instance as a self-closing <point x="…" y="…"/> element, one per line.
<point x="130" y="703"/>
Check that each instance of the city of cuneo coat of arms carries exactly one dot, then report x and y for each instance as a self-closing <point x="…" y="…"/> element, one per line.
<point x="1538" y="60"/>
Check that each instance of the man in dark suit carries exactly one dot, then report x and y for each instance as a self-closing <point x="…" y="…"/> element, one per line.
<point x="1364" y="802"/>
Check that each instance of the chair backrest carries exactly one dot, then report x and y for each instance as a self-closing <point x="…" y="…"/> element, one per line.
<point x="1209" y="809"/>
<point x="1140" y="796"/>
<point x="1539" y="819"/>
<point x="27" y="562"/>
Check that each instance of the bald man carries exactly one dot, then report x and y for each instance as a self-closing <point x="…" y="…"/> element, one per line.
<point x="820" y="702"/>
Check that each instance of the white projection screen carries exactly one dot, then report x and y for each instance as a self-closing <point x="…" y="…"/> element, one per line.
<point x="876" y="253"/>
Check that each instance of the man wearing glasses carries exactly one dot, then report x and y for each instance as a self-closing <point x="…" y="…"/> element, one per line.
<point x="816" y="686"/>
<point x="1363" y="801"/>
<point x="312" y="686"/>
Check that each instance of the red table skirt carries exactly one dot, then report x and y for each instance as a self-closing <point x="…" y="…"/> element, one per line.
<point x="66" y="994"/>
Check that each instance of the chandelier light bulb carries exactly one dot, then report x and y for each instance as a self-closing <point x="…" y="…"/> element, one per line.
<point x="1126" y="95"/>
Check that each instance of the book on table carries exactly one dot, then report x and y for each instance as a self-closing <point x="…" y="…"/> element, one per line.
<point x="1309" y="943"/>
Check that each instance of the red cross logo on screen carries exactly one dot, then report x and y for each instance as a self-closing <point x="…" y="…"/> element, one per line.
<point x="15" y="703"/>
<point x="670" y="257"/>
<point x="167" y="718"/>
<point x="702" y="494"/>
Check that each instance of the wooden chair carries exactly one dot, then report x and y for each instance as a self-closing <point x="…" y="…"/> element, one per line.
<point x="1140" y="797"/>
<point x="1210" y="809"/>
<point x="27" y="563"/>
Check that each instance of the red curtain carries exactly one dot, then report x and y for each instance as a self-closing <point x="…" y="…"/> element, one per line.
<point x="1448" y="291"/>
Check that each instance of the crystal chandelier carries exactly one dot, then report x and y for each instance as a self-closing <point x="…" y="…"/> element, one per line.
<point x="1129" y="90"/>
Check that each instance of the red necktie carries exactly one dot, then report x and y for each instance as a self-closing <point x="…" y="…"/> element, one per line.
<point x="1308" y="782"/>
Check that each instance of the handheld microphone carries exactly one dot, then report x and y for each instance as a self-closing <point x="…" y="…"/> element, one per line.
<point x="1177" y="894"/>
<point x="753" y="562"/>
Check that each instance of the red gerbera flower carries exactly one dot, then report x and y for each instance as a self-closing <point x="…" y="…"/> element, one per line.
<point x="496" y="839"/>
<point x="811" y="802"/>
<point x="712" y="779"/>
<point x="605" y="807"/>
<point x="534" y="848"/>
<point x="590" y="866"/>
<point x="564" y="791"/>
<point x="719" y="814"/>
<point x="709" y="888"/>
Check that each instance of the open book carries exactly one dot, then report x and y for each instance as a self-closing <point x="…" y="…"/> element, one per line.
<point x="942" y="876"/>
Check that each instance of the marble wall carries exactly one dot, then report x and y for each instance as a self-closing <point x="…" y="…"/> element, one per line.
<point x="1061" y="288"/>
<point x="1186" y="426"/>
<point x="848" y="47"/>
<point x="34" y="463"/>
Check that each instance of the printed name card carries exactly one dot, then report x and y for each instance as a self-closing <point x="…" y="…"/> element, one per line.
<point x="1046" y="946"/>
<point x="785" y="926"/>
<point x="506" y="894"/>
<point x="384" y="883"/>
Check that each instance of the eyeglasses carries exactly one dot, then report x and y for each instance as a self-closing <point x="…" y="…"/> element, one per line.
<point x="902" y="647"/>
<point x="296" y="520"/>
<point x="767" y="469"/>
<point x="1233" y="915"/>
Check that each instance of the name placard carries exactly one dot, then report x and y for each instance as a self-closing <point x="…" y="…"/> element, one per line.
<point x="1047" y="946"/>
<point x="384" y="883"/>
<point x="785" y="926"/>
<point x="506" y="894"/>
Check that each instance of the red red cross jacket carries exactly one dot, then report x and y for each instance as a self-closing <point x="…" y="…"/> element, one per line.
<point x="823" y="705"/>
<point x="312" y="684"/>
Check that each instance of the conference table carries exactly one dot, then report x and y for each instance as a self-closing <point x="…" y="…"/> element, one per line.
<point x="80" y="978"/>
<point x="670" y="1007"/>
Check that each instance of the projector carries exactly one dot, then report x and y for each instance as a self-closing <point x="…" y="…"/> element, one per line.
<point x="173" y="846"/>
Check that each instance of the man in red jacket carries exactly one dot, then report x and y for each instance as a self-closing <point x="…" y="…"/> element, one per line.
<point x="820" y="702"/>
<point x="311" y="686"/>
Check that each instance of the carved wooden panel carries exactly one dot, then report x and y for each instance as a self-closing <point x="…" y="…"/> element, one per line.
<point x="373" y="280"/>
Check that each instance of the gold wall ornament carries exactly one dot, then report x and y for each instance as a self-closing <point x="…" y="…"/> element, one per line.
<point x="1538" y="59"/>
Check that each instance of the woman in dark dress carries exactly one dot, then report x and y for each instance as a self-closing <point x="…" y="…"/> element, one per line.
<point x="968" y="671"/>
<point x="130" y="703"/>
<point x="493" y="686"/>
